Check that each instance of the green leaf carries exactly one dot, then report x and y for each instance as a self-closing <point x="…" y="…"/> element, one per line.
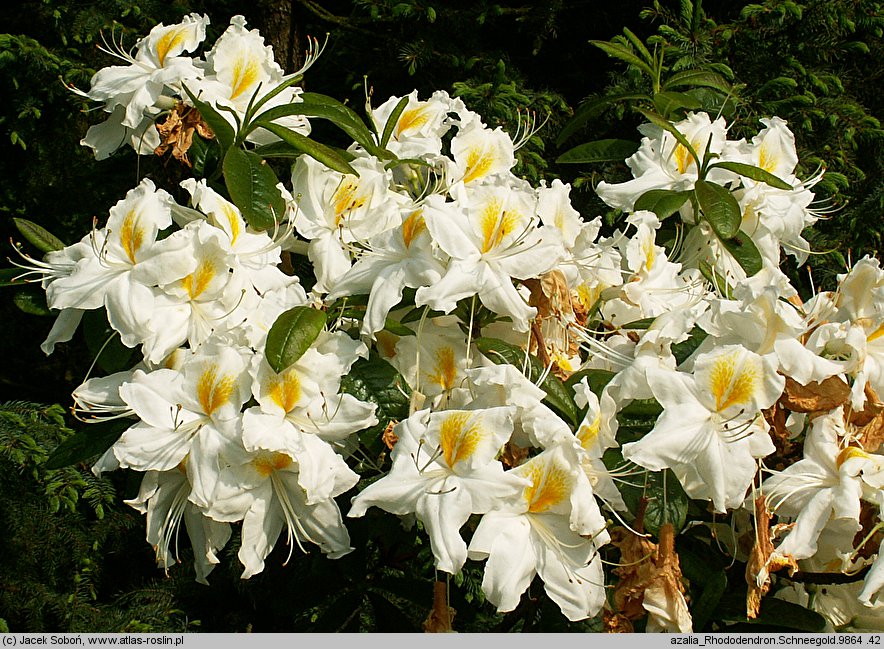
<point x="220" y="126"/>
<point x="376" y="381"/>
<point x="558" y="397"/>
<point x="624" y="54"/>
<point x="599" y="151"/>
<point x="292" y="334"/>
<point x="94" y="440"/>
<point x="252" y="187"/>
<point x="667" y="102"/>
<point x="324" y="154"/>
<point x="392" y="120"/>
<point x="720" y="208"/>
<point x="324" y="107"/>
<point x="38" y="236"/>
<point x="753" y="172"/>
<point x="707" y="603"/>
<point x="8" y="275"/>
<point x="204" y="156"/>
<point x="695" y="78"/>
<point x="596" y="379"/>
<point x="667" y="501"/>
<point x="639" y="45"/>
<point x="662" y="202"/>
<point x="682" y="350"/>
<point x="743" y="249"/>
<point x="590" y="109"/>
<point x="104" y="343"/>
<point x="642" y="409"/>
<point x="32" y="300"/>
<point x="666" y="125"/>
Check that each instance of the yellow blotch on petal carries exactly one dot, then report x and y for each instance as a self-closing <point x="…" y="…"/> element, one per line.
<point x="683" y="157"/>
<point x="214" y="391"/>
<point x="245" y="74"/>
<point x="131" y="236"/>
<point x="496" y="223"/>
<point x="346" y="199"/>
<point x="877" y="333"/>
<point x="444" y="368"/>
<point x="589" y="432"/>
<point x="767" y="161"/>
<point x="198" y="281"/>
<point x="550" y="485"/>
<point x="732" y="385"/>
<point x="413" y="226"/>
<point x="479" y="163"/>
<point x="233" y="221"/>
<point x="458" y="440"/>
<point x="267" y="463"/>
<point x="169" y="40"/>
<point x="849" y="453"/>
<point x="285" y="389"/>
<point x="411" y="119"/>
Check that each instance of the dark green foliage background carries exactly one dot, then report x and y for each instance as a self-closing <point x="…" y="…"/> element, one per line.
<point x="73" y="555"/>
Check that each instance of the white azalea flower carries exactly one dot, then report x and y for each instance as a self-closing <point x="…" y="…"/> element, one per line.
<point x="444" y="469"/>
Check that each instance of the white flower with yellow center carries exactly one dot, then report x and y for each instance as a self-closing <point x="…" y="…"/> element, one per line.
<point x="155" y="67"/>
<point x="481" y="153"/>
<point x="301" y="412"/>
<point x="254" y="252"/>
<point x="824" y="487"/>
<point x="418" y="131"/>
<point x="187" y="415"/>
<point x="334" y="211"/>
<point x="262" y="489"/>
<point x="240" y="68"/>
<point x="433" y="362"/>
<point x="711" y="431"/>
<point x="534" y="536"/>
<point x="492" y="237"/>
<point x="663" y="163"/>
<point x="394" y="259"/>
<point x="444" y="469"/>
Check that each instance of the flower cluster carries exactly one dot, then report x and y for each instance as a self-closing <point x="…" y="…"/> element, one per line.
<point x="524" y="337"/>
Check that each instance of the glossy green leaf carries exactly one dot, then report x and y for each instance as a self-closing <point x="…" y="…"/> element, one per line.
<point x="376" y="381"/>
<point x="667" y="501"/>
<point x="93" y="440"/>
<point x="324" y="107"/>
<point x="596" y="379"/>
<point x="590" y="109"/>
<point x="684" y="349"/>
<point x="624" y="54"/>
<point x="8" y="277"/>
<point x="743" y="249"/>
<point x="668" y="102"/>
<point x="558" y="397"/>
<point x="204" y="156"/>
<point x="38" y="236"/>
<point x="251" y="184"/>
<point x="104" y="343"/>
<point x="753" y="172"/>
<point x="220" y="126"/>
<point x="662" y="202"/>
<point x="720" y="208"/>
<point x="705" y="605"/>
<point x="324" y="154"/>
<point x="32" y="300"/>
<point x="292" y="334"/>
<point x="392" y="120"/>
<point x="695" y="78"/>
<point x="599" y="151"/>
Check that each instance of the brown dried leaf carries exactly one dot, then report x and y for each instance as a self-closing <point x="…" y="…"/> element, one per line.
<point x="513" y="455"/>
<point x="815" y="396"/>
<point x="763" y="560"/>
<point x="787" y="450"/>
<point x="616" y="622"/>
<point x="176" y="133"/>
<point x="440" y="618"/>
<point x="388" y="437"/>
